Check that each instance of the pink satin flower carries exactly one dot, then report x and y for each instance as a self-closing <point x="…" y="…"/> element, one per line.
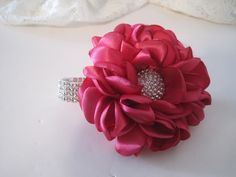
<point x="111" y="96"/>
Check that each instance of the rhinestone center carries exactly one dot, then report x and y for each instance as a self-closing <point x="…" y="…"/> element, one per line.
<point x="152" y="82"/>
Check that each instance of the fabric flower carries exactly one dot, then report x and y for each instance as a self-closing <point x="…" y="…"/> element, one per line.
<point x="144" y="89"/>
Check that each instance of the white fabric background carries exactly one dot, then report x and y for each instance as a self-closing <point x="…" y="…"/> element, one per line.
<point x="41" y="136"/>
<point x="80" y="12"/>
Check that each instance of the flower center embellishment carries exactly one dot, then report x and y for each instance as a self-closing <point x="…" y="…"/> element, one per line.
<point x="152" y="82"/>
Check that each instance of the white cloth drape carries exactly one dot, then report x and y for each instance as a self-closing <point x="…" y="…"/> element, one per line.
<point x="78" y="12"/>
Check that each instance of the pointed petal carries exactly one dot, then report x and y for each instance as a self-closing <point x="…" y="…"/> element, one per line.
<point x="112" y="40"/>
<point x="175" y="87"/>
<point x="95" y="40"/>
<point x="105" y="54"/>
<point x="131" y="73"/>
<point x="183" y="126"/>
<point x="128" y="51"/>
<point x="86" y="83"/>
<point x="136" y="108"/>
<point x="131" y="143"/>
<point x="89" y="102"/>
<point x="122" y="85"/>
<point x="163" y="129"/>
<point x="195" y="72"/>
<point x="143" y="59"/>
<point x="157" y="144"/>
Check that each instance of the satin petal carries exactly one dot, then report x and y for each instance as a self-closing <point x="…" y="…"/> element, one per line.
<point x="175" y="88"/>
<point x="131" y="143"/>
<point x="163" y="129"/>
<point x="99" y="80"/>
<point x="137" y="30"/>
<point x="122" y="85"/>
<point x="90" y="97"/>
<point x="121" y="121"/>
<point x="117" y="70"/>
<point x="162" y="51"/>
<point x="102" y="103"/>
<point x="185" y="53"/>
<point x="131" y="73"/>
<point x="145" y="36"/>
<point x="112" y="40"/>
<point x="136" y="99"/>
<point x="86" y="83"/>
<point x="105" y="54"/>
<point x="107" y="121"/>
<point x="164" y="35"/>
<point x="183" y="126"/>
<point x="167" y="107"/>
<point x="128" y="51"/>
<point x="205" y="98"/>
<point x="197" y="115"/>
<point x="193" y="93"/>
<point x="194" y="71"/>
<point x="95" y="40"/>
<point x="137" y="109"/>
<point x="157" y="144"/>
<point x="143" y="59"/>
<point x="157" y="49"/>
<point x="124" y="29"/>
<point x="112" y="120"/>
<point x="152" y="28"/>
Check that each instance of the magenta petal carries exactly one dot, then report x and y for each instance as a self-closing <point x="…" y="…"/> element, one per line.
<point x="86" y="83"/>
<point x="158" y="144"/>
<point x="143" y="59"/>
<point x="131" y="73"/>
<point x="153" y="28"/>
<point x="193" y="93"/>
<point x="112" y="40"/>
<point x="136" y="107"/>
<point x="183" y="126"/>
<point x="117" y="70"/>
<point x="99" y="81"/>
<point x="112" y="120"/>
<point x="95" y="40"/>
<point x="162" y="51"/>
<point x="145" y="116"/>
<point x="107" y="121"/>
<point x="205" y="98"/>
<point x="94" y="72"/>
<point x="167" y="107"/>
<point x="128" y="51"/>
<point x="136" y="98"/>
<point x="175" y="88"/>
<point x="122" y="85"/>
<point x="145" y="35"/>
<point x="137" y="30"/>
<point x="157" y="49"/>
<point x="171" y="55"/>
<point x="124" y="29"/>
<point x="89" y="102"/>
<point x="161" y="129"/>
<point x="105" y="54"/>
<point x="131" y="143"/>
<point x="121" y="121"/>
<point x="195" y="72"/>
<point x="197" y="114"/>
<point x="185" y="53"/>
<point x="102" y="103"/>
<point x="164" y="35"/>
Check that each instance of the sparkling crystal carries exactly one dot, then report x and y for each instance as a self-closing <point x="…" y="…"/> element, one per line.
<point x="152" y="82"/>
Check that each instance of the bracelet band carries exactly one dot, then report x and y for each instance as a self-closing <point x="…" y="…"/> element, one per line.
<point x="68" y="88"/>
